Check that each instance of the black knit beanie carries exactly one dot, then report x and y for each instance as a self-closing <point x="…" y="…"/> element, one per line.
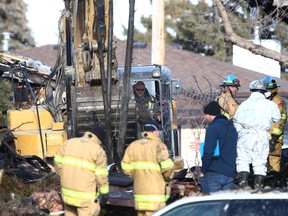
<point x="151" y="125"/>
<point x="99" y="132"/>
<point x="212" y="108"/>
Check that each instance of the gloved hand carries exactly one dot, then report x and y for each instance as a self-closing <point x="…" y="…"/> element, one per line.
<point x="272" y="145"/>
<point x="274" y="138"/>
<point x="103" y="199"/>
<point x="273" y="142"/>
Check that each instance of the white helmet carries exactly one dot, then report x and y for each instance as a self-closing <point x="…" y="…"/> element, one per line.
<point x="258" y="85"/>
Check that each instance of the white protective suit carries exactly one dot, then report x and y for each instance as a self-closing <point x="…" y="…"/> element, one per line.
<point x="253" y="120"/>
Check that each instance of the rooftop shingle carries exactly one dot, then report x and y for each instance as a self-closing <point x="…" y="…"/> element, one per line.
<point x="195" y="71"/>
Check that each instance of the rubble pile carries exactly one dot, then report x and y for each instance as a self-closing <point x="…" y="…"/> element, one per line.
<point x="37" y="198"/>
<point x="27" y="184"/>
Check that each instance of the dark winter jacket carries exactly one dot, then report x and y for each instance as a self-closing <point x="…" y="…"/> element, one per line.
<point x="146" y="107"/>
<point x="223" y="130"/>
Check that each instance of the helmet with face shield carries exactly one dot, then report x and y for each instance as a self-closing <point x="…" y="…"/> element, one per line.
<point x="258" y="86"/>
<point x="231" y="80"/>
<point x="270" y="82"/>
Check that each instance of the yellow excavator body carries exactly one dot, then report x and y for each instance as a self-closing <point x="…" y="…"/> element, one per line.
<point x="27" y="126"/>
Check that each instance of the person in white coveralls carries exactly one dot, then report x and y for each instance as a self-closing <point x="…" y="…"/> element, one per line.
<point x="252" y="121"/>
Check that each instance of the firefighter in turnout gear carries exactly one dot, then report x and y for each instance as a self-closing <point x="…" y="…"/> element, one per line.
<point x="148" y="163"/>
<point x="146" y="105"/>
<point x="277" y="130"/>
<point x="227" y="100"/>
<point x="82" y="165"/>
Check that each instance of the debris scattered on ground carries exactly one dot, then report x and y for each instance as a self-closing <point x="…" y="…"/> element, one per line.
<point x="20" y="198"/>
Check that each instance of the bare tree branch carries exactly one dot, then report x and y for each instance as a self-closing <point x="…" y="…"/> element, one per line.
<point x="244" y="43"/>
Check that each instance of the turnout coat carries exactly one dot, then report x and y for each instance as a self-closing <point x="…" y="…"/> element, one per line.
<point x="82" y="165"/>
<point x="147" y="162"/>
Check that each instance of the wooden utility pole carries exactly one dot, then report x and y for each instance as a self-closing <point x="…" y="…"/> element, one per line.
<point x="158" y="32"/>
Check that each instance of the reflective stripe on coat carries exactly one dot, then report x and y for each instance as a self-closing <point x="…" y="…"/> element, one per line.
<point x="147" y="162"/>
<point x="82" y="165"/>
<point x="278" y="127"/>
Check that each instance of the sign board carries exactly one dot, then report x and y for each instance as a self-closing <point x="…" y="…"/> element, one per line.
<point x="245" y="59"/>
<point x="190" y="146"/>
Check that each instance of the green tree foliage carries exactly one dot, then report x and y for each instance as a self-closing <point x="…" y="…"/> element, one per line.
<point x="13" y="20"/>
<point x="139" y="36"/>
<point x="281" y="34"/>
<point x="6" y="103"/>
<point x="198" y="28"/>
<point x="195" y="28"/>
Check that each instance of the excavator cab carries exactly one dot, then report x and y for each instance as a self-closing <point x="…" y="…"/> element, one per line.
<point x="158" y="82"/>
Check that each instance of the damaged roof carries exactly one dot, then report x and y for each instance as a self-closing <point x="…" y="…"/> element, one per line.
<point x="196" y="72"/>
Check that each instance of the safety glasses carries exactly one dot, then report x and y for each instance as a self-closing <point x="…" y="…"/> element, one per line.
<point x="140" y="90"/>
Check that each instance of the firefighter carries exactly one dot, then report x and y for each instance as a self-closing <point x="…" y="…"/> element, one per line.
<point x="227" y="100"/>
<point x="252" y="121"/>
<point x="146" y="105"/>
<point x="277" y="130"/>
<point x="147" y="162"/>
<point x="81" y="163"/>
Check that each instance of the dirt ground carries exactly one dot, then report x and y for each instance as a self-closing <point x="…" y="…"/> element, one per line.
<point x="16" y="195"/>
<point x="28" y="190"/>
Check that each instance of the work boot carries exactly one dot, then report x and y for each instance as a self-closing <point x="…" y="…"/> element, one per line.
<point x="271" y="172"/>
<point x="243" y="179"/>
<point x="258" y="182"/>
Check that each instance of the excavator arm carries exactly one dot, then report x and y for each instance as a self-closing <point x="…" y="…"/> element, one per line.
<point x="87" y="69"/>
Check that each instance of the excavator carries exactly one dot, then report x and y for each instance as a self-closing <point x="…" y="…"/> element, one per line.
<point x="85" y="87"/>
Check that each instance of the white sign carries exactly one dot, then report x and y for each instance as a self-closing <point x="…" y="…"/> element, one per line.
<point x="246" y="59"/>
<point x="190" y="146"/>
